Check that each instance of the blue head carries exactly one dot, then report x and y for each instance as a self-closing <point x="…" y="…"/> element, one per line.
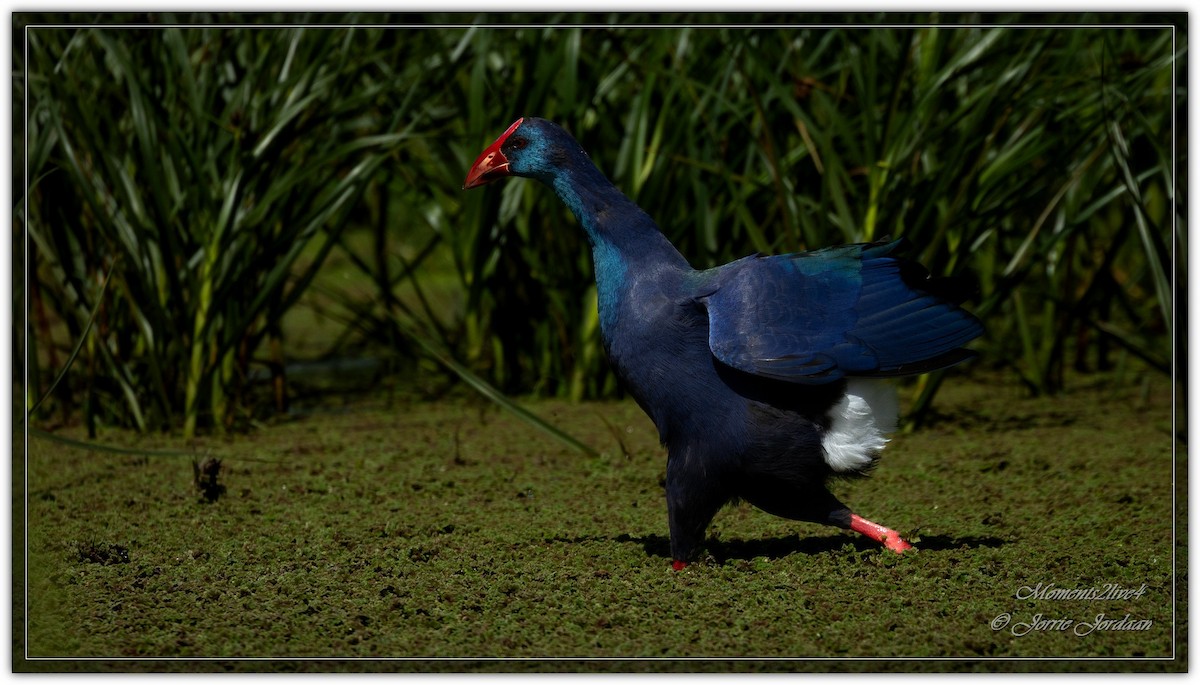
<point x="531" y="147"/>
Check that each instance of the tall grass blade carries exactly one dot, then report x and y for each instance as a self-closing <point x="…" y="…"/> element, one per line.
<point x="78" y="345"/>
<point x="91" y="446"/>
<point x="499" y="399"/>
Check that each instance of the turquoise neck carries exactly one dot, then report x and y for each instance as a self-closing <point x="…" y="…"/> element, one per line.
<point x="623" y="238"/>
<point x="617" y="229"/>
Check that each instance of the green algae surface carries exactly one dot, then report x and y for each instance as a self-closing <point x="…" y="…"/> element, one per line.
<point x="447" y="530"/>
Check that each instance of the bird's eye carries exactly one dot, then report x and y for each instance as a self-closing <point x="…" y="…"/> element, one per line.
<point x="520" y="143"/>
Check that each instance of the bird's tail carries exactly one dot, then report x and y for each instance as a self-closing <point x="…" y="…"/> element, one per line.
<point x="867" y="412"/>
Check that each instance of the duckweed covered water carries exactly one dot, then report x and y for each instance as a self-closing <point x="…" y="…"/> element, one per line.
<point x="435" y="530"/>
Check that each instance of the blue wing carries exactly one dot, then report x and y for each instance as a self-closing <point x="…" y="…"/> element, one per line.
<point x="814" y="317"/>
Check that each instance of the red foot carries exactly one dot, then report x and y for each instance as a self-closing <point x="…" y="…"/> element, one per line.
<point x="881" y="534"/>
<point x="678" y="565"/>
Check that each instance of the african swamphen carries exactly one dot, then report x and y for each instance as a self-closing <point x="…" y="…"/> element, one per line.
<point x="759" y="374"/>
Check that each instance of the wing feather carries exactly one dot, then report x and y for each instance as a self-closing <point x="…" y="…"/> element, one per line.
<point x="815" y="317"/>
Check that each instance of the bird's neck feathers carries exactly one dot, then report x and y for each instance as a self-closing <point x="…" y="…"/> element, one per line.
<point x="617" y="229"/>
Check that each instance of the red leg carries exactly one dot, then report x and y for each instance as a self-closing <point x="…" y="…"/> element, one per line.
<point x="881" y="534"/>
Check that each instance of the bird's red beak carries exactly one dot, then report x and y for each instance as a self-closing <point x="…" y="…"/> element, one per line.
<point x="491" y="163"/>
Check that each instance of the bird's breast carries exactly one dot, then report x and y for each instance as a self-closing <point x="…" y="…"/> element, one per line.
<point x="644" y="319"/>
<point x="658" y="346"/>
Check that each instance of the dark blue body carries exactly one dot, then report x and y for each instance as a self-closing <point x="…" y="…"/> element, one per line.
<point x="738" y="366"/>
<point x="728" y="433"/>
